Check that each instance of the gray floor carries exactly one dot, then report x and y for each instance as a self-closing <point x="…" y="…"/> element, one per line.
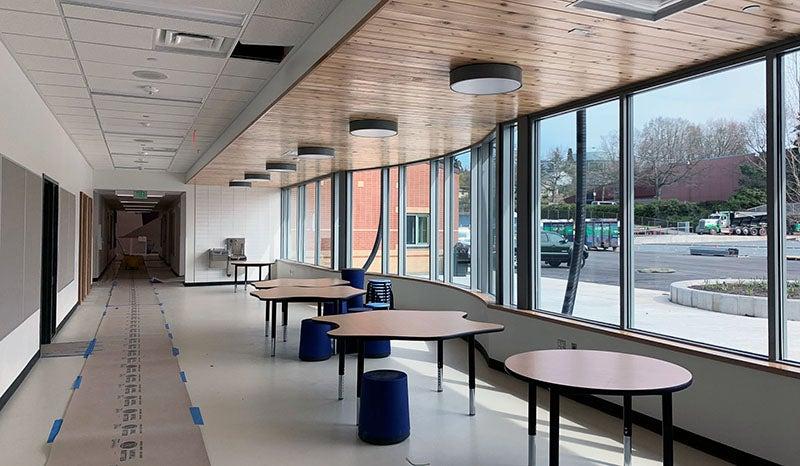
<point x="261" y="410"/>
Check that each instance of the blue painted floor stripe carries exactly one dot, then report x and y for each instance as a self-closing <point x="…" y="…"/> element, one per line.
<point x="196" y="416"/>
<point x="77" y="383"/>
<point x="89" y="348"/>
<point x="175" y="351"/>
<point x="56" y="428"/>
<point x="183" y="377"/>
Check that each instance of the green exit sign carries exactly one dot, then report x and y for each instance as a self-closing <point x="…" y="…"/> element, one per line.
<point x="140" y="194"/>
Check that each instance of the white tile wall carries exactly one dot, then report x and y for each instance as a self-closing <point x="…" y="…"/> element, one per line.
<point x="222" y="212"/>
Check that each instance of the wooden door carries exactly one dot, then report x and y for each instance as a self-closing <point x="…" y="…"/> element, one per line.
<point x="85" y="248"/>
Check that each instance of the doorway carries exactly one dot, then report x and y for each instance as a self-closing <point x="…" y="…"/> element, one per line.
<point x="85" y="248"/>
<point x="47" y="325"/>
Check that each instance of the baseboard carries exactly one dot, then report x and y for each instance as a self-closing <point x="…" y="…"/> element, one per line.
<point x="698" y="442"/>
<point x="69" y="314"/>
<point x="97" y="279"/>
<point x="229" y="282"/>
<point x="16" y="383"/>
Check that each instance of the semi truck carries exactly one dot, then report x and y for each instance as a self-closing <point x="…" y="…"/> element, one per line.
<point x="601" y="233"/>
<point x="727" y="222"/>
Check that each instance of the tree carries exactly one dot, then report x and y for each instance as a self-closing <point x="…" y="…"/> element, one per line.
<point x="667" y="152"/>
<point x="557" y="172"/>
<point x="723" y="138"/>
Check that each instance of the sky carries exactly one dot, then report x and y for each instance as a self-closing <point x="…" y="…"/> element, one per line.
<point x="731" y="94"/>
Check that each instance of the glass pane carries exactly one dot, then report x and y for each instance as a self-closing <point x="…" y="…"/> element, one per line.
<point x="366" y="214"/>
<point x="418" y="204"/>
<point x="440" y="226"/>
<point x="493" y="212"/>
<point x="292" y="239"/>
<point x="596" y="288"/>
<point x="325" y="222"/>
<point x="757" y="172"/>
<point x="461" y="235"/>
<point x="697" y="206"/>
<point x="310" y="224"/>
<point x="513" y="141"/>
<point x="394" y="218"/>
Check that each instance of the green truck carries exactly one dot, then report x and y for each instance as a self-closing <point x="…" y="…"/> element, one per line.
<point x="601" y="233"/>
<point x="727" y="222"/>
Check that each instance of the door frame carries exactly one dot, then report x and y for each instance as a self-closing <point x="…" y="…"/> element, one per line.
<point x="49" y="289"/>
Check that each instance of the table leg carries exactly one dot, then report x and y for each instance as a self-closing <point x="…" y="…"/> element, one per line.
<point x="627" y="428"/>
<point x="235" y="278"/>
<point x="341" y="369"/>
<point x="439" y="363"/>
<point x="531" y="424"/>
<point x="274" y="330"/>
<point x="260" y="272"/>
<point x="266" y="318"/>
<point x="666" y="416"/>
<point x="285" y="317"/>
<point x="246" y="268"/>
<point x="360" y="375"/>
<point x="554" y="420"/>
<point x="269" y="271"/>
<point x="471" y="346"/>
<point x="319" y="309"/>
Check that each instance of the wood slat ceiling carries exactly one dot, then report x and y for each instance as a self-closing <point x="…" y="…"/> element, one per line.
<point x="397" y="67"/>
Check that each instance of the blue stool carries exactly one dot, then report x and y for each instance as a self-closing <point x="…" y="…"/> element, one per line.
<point x="373" y="349"/>
<point x="328" y="309"/>
<point x="380" y="291"/>
<point x="383" y="418"/>
<point x="315" y="344"/>
<point x="376" y="306"/>
<point x="356" y="278"/>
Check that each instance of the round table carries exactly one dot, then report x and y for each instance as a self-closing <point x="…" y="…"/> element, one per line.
<point x="600" y="373"/>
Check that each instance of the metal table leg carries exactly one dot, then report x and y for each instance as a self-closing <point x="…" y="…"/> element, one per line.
<point x="531" y="424"/>
<point x="235" y="278"/>
<point x="266" y="318"/>
<point x="341" y="369"/>
<point x="285" y="316"/>
<point x="274" y="320"/>
<point x="627" y="429"/>
<point x="439" y="363"/>
<point x="246" y="268"/>
<point x="554" y="420"/>
<point x="360" y="375"/>
<point x="666" y="416"/>
<point x="471" y="346"/>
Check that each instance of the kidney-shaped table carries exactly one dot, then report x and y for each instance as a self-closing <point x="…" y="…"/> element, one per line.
<point x="600" y="373"/>
<point x="408" y="325"/>
<point x="299" y="294"/>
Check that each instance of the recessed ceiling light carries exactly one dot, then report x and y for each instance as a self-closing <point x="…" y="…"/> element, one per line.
<point x="146" y="124"/>
<point x="239" y="184"/>
<point x="310" y="152"/>
<point x="160" y="8"/>
<point x="486" y="78"/>
<point x="371" y="128"/>
<point x="256" y="176"/>
<point x="150" y="90"/>
<point x="149" y="75"/>
<point x="280" y="167"/>
<point x="143" y="141"/>
<point x="751" y="8"/>
<point x="152" y="59"/>
<point x="651" y="10"/>
<point x="580" y="32"/>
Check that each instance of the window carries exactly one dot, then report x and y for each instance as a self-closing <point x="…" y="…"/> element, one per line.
<point x="697" y="189"/>
<point x="325" y="257"/>
<point x="393" y="239"/>
<point x="310" y="224"/>
<point x="440" y="218"/>
<point x="514" y="143"/>
<point x="791" y="159"/>
<point x="418" y="211"/>
<point x="366" y="216"/>
<point x="594" y="293"/>
<point x="417" y="230"/>
<point x="461" y="233"/>
<point x="292" y="240"/>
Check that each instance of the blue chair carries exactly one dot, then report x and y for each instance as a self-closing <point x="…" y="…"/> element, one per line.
<point x="315" y="344"/>
<point x="380" y="291"/>
<point x="383" y="418"/>
<point x="356" y="278"/>
<point x="378" y="306"/>
<point x="328" y="309"/>
<point x="373" y="349"/>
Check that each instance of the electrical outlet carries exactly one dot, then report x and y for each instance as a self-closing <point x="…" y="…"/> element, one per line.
<point x="574" y="345"/>
<point x="561" y="344"/>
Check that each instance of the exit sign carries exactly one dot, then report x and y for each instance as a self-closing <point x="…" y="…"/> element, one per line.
<point x="140" y="194"/>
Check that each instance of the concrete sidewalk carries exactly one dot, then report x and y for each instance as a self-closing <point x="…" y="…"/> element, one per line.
<point x="655" y="313"/>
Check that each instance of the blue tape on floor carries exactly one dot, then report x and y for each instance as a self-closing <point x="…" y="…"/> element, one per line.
<point x="166" y="326"/>
<point x="77" y="383"/>
<point x="57" y="427"/>
<point x="196" y="416"/>
<point x="89" y="348"/>
<point x="183" y="376"/>
<point x="175" y="351"/>
<point x="170" y="335"/>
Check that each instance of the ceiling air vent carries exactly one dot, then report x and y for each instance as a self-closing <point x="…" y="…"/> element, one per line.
<point x="268" y="53"/>
<point x="651" y="10"/>
<point x="195" y="44"/>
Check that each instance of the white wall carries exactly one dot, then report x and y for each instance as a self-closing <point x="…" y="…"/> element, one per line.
<point x="748" y="409"/>
<point x="31" y="136"/>
<point x="221" y="212"/>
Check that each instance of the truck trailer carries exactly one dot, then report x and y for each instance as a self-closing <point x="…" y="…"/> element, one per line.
<point x="727" y="222"/>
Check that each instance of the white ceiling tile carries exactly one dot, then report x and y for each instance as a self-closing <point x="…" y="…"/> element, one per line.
<point x="135" y="124"/>
<point x="32" y="24"/>
<point x="112" y="70"/>
<point x="231" y="94"/>
<point x="152" y="163"/>
<point x="250" y="68"/>
<point x="310" y="11"/>
<point x="135" y="88"/>
<point x="151" y="21"/>
<point x="39" y="46"/>
<point x="241" y="83"/>
<point x="77" y="119"/>
<point x="110" y="33"/>
<point x="87" y="132"/>
<point x="231" y="6"/>
<point x="70" y="126"/>
<point x="264" y="30"/>
<point x="138" y="116"/>
<point x="68" y="102"/>
<point x="58" y="110"/>
<point x="136" y="57"/>
<point x="34" y="6"/>
<point x="146" y="100"/>
<point x="59" y="65"/>
<point x="60" y="79"/>
<point x="145" y="132"/>
<point x="63" y="91"/>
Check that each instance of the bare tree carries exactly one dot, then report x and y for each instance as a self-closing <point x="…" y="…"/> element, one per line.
<point x="723" y="138"/>
<point x="558" y="171"/>
<point x="667" y="152"/>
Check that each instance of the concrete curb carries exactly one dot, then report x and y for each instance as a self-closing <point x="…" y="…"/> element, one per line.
<point x="751" y="306"/>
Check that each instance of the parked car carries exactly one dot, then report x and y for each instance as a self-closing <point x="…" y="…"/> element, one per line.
<point x="556" y="250"/>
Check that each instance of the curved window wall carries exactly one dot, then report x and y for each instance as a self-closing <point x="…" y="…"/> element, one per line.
<point x="676" y="199"/>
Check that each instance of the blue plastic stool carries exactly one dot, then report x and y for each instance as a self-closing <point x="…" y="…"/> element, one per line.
<point x="315" y="344"/>
<point x="328" y="309"/>
<point x="373" y="349"/>
<point x="380" y="291"/>
<point x="376" y="306"/>
<point x="356" y="278"/>
<point x="383" y="418"/>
